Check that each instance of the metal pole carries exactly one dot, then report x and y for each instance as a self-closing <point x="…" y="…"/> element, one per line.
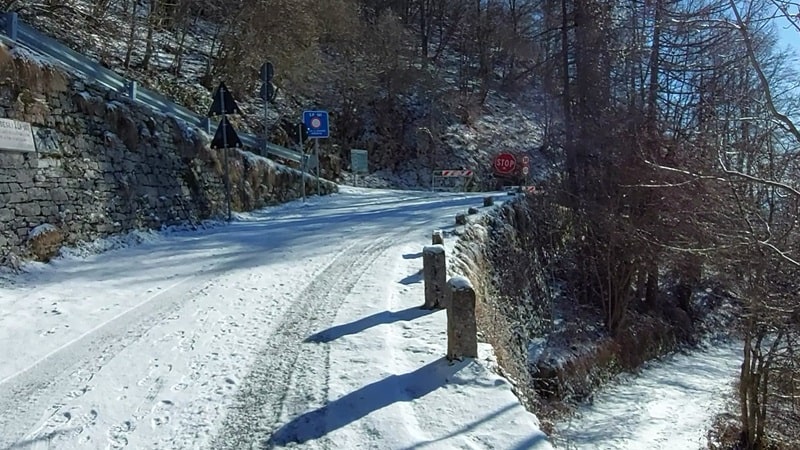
<point x="12" y="25"/>
<point x="316" y="147"/>
<point x="266" y="108"/>
<point x="225" y="149"/>
<point x="304" y="159"/>
<point x="132" y="88"/>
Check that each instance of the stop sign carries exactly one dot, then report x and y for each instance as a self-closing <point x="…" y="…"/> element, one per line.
<point x="505" y="163"/>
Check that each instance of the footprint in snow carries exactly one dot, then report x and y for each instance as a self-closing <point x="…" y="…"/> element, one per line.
<point x="117" y="435"/>
<point x="161" y="411"/>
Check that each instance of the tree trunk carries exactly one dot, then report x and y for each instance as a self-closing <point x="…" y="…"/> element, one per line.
<point x="651" y="288"/>
<point x="151" y="25"/>
<point x="131" y="35"/>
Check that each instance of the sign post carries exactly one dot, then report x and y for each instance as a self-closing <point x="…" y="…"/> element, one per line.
<point x="526" y="169"/>
<point x="300" y="141"/>
<point x="316" y="122"/>
<point x="222" y="105"/>
<point x="268" y="95"/>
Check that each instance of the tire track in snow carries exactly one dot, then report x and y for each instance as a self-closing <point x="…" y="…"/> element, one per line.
<point x="67" y="372"/>
<point x="289" y="376"/>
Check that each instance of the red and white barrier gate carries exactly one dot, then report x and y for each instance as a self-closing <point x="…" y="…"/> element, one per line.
<point x="455" y="173"/>
<point x="438" y="178"/>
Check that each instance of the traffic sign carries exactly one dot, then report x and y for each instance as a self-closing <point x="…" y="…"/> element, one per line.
<point x="505" y="163"/>
<point x="223" y="102"/>
<point x="268" y="92"/>
<point x="311" y="161"/>
<point x="359" y="161"/>
<point x="317" y="124"/>
<point x="226" y="136"/>
<point x="525" y="170"/>
<point x="526" y="160"/>
<point x="267" y="72"/>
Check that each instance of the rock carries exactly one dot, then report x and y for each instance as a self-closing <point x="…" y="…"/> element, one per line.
<point x="44" y="241"/>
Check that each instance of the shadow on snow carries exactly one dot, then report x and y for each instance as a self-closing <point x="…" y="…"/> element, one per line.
<point x="372" y="397"/>
<point x="381" y="318"/>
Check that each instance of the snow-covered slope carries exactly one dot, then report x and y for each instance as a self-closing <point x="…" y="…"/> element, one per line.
<point x="669" y="405"/>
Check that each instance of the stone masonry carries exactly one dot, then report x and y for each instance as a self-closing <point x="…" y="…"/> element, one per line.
<point x="105" y="165"/>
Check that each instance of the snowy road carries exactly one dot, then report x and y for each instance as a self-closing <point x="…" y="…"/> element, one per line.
<point x="296" y="324"/>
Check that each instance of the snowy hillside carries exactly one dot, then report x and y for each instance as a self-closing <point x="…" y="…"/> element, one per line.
<point x="509" y="120"/>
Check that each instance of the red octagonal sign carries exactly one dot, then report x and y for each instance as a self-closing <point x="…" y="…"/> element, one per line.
<point x="505" y="163"/>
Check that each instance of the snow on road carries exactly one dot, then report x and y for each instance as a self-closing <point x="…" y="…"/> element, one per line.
<point x="669" y="405"/>
<point x="293" y="326"/>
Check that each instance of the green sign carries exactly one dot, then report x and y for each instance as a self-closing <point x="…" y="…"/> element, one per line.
<point x="359" y="161"/>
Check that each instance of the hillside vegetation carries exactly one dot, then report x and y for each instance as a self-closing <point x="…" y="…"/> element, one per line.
<point x="671" y="120"/>
<point x="408" y="82"/>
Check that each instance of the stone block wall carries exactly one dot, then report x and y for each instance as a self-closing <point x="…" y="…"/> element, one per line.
<point x="505" y="255"/>
<point x="105" y="165"/>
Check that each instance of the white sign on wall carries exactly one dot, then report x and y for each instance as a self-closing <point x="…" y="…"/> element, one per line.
<point x="16" y="136"/>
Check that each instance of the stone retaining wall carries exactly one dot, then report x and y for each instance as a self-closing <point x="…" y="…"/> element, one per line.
<point x="104" y="166"/>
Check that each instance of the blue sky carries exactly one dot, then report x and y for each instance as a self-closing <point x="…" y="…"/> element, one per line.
<point x="788" y="34"/>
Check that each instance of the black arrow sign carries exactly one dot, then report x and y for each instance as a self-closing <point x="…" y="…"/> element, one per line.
<point x="267" y="72"/>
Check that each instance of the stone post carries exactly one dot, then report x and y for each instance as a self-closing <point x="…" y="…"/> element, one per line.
<point x="437" y="238"/>
<point x="462" y="328"/>
<point x="434" y="271"/>
<point x="488" y="201"/>
<point x="461" y="219"/>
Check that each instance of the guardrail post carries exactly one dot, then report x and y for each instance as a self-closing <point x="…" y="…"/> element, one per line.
<point x="205" y="122"/>
<point x="434" y="274"/>
<point x="462" y="328"/>
<point x="132" y="87"/>
<point x="12" y="25"/>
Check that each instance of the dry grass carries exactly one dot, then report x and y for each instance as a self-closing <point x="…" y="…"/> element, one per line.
<point x="45" y="246"/>
<point x="22" y="73"/>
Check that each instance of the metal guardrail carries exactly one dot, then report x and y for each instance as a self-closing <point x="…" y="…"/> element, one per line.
<point x="81" y="65"/>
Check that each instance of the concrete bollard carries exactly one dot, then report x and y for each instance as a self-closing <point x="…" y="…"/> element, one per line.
<point x="461" y="219"/>
<point x="462" y="328"/>
<point x="437" y="238"/>
<point x="434" y="274"/>
<point x="473" y="210"/>
<point x="488" y="201"/>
